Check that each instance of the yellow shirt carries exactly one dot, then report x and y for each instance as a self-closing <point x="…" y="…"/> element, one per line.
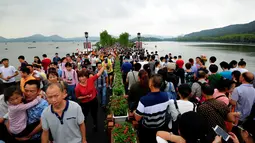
<point x="23" y="81"/>
<point x="109" y="66"/>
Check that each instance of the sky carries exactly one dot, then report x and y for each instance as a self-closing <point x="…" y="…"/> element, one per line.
<point x="71" y="18"/>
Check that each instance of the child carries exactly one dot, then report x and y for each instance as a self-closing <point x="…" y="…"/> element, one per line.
<point x="17" y="112"/>
<point x="70" y="77"/>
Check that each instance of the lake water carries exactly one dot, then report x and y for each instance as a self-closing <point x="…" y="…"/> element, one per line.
<point x="223" y="52"/>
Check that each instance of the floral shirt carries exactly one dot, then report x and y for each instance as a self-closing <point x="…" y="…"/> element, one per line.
<point x="34" y="115"/>
<point x="189" y="77"/>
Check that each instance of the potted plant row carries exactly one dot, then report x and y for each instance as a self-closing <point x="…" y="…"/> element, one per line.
<point x="119" y="108"/>
<point x="123" y="133"/>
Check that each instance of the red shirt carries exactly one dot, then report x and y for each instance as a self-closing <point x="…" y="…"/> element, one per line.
<point x="180" y="63"/>
<point x="45" y="63"/>
<point x="89" y="89"/>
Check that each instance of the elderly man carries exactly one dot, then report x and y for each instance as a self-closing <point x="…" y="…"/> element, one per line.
<point x="243" y="97"/>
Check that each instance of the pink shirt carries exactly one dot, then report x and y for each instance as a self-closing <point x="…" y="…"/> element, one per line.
<point x="70" y="76"/>
<point x="223" y="98"/>
<point x="18" y="115"/>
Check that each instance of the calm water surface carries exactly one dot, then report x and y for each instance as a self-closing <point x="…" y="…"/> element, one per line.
<point x="223" y="52"/>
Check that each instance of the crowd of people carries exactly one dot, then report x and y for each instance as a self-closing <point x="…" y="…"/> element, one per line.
<point x="173" y="100"/>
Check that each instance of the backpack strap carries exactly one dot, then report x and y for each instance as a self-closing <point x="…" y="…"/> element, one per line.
<point x="134" y="76"/>
<point x="64" y="74"/>
<point x="194" y="106"/>
<point x="220" y="96"/>
<point x="177" y="108"/>
<point x="74" y="74"/>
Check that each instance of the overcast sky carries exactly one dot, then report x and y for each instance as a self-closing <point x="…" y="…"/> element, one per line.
<point x="70" y="18"/>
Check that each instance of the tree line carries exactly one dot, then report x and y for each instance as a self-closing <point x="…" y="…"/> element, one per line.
<point x="107" y="40"/>
<point x="233" y="38"/>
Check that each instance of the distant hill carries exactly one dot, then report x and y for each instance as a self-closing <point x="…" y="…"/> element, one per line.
<point x="248" y="28"/>
<point x="2" y="38"/>
<point x="42" y="38"/>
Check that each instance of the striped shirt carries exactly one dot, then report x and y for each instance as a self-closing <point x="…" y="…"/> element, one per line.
<point x="153" y="108"/>
<point x="101" y="81"/>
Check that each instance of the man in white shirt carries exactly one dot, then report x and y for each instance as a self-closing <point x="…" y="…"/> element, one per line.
<point x="93" y="61"/>
<point x="142" y="61"/>
<point x="8" y="73"/>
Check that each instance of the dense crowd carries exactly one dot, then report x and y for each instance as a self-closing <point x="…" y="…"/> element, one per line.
<point x="172" y="99"/>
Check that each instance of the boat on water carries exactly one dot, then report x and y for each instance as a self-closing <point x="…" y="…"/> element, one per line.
<point x="34" y="41"/>
<point x="6" y="49"/>
<point x="57" y="47"/>
<point x="31" y="47"/>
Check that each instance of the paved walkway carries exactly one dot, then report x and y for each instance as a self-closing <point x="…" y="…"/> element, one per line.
<point x="101" y="135"/>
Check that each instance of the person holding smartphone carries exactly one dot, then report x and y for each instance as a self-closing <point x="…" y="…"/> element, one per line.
<point x="247" y="131"/>
<point x="215" y="112"/>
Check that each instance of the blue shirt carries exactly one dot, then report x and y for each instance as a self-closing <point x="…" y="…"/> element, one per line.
<point x="56" y="59"/>
<point x="59" y="73"/>
<point x="34" y="115"/>
<point x="126" y="67"/>
<point x="244" y="95"/>
<point x="226" y="74"/>
<point x="194" y="68"/>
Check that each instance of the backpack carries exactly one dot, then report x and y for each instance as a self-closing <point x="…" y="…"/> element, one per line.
<point x="170" y="93"/>
<point x="175" y="124"/>
<point x="202" y="98"/>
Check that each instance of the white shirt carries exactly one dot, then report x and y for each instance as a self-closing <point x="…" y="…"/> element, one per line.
<point x="143" y="63"/>
<point x="38" y="74"/>
<point x="174" y="61"/>
<point x="156" y="70"/>
<point x="162" y="64"/>
<point x="184" y="106"/>
<point x="132" y="77"/>
<point x="9" y="71"/>
<point x="3" y="106"/>
<point x="93" y="61"/>
<point x="242" y="70"/>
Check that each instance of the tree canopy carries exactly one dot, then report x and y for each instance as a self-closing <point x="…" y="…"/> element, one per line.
<point x="107" y="40"/>
<point x="124" y="39"/>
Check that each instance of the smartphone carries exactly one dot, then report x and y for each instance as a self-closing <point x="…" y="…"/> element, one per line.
<point x="219" y="131"/>
<point x="106" y="60"/>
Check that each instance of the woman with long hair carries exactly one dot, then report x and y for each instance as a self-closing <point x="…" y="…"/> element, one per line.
<point x="138" y="89"/>
<point x="37" y="61"/>
<point x="146" y="67"/>
<point x="236" y="77"/>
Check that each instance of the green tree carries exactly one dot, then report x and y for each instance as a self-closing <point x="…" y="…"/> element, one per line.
<point x="104" y="38"/>
<point x="124" y="39"/>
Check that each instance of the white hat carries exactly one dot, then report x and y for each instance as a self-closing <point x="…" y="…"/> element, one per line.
<point x="171" y="66"/>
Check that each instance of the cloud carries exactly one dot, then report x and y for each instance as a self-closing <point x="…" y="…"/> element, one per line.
<point x="163" y="17"/>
